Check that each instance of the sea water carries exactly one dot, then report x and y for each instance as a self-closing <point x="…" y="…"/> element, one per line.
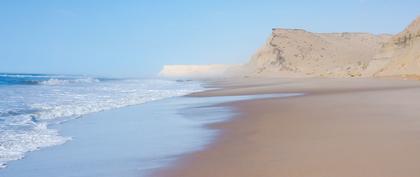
<point x="31" y="103"/>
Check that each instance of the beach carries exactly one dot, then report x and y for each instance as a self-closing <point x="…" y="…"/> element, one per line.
<point x="210" y="88"/>
<point x="149" y="130"/>
<point x="245" y="127"/>
<point x="339" y="127"/>
<point x="130" y="141"/>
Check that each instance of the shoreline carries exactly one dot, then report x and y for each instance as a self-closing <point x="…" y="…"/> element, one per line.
<point x="130" y="141"/>
<point x="126" y="141"/>
<point x="337" y="128"/>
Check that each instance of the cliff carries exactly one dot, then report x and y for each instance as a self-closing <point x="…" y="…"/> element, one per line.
<point x="401" y="54"/>
<point x="195" y="71"/>
<point x="299" y="53"/>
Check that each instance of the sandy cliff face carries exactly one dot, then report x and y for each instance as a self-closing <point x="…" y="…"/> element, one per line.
<point x="299" y="53"/>
<point x="294" y="52"/>
<point x="195" y="71"/>
<point x="401" y="54"/>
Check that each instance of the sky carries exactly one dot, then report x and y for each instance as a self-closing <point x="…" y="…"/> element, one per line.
<point x="135" y="38"/>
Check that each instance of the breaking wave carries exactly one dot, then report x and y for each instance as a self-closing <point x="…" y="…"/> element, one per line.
<point x="32" y="102"/>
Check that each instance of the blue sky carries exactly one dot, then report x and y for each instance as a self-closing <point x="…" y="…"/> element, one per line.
<point x="135" y="38"/>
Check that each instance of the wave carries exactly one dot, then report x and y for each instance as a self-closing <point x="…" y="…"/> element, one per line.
<point x="14" y="144"/>
<point x="67" y="81"/>
<point x="28" y="75"/>
<point x="27" y="110"/>
<point x="40" y="79"/>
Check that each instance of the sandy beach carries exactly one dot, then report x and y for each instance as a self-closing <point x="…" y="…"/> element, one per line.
<point x="339" y="128"/>
<point x="210" y="88"/>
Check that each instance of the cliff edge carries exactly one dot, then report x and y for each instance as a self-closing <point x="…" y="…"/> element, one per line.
<point x="299" y="53"/>
<point x="401" y="54"/>
<point x="195" y="71"/>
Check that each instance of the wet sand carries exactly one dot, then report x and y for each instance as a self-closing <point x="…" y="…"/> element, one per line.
<point x="339" y="128"/>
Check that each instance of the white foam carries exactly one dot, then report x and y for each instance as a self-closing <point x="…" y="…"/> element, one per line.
<point x="55" y="100"/>
<point x="14" y="144"/>
<point x="68" y="81"/>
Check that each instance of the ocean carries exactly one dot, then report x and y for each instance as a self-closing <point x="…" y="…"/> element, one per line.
<point x="31" y="103"/>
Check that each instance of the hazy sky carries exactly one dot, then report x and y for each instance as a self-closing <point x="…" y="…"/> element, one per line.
<point x="135" y="38"/>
